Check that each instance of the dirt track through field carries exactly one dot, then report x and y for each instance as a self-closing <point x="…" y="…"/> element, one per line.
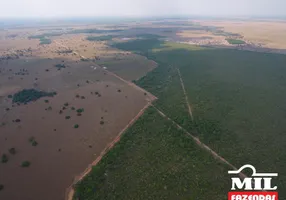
<point x="185" y="94"/>
<point x="131" y="84"/>
<point x="198" y="142"/>
<point x="115" y="75"/>
<point x="70" y="190"/>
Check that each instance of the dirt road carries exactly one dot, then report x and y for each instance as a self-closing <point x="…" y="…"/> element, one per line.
<point x="70" y="191"/>
<point x="185" y="94"/>
<point x="152" y="97"/>
<point x="198" y="142"/>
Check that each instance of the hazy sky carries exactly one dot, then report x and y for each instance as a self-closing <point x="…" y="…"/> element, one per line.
<point x="69" y="8"/>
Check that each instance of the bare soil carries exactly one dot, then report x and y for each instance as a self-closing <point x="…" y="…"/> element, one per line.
<point x="63" y="151"/>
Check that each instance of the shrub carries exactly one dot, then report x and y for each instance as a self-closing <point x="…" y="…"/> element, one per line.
<point x="101" y="122"/>
<point x="60" y="112"/>
<point x="25" y="164"/>
<point x="17" y="120"/>
<point x="66" y="104"/>
<point x="68" y="117"/>
<point x="4" y="158"/>
<point x="34" y="143"/>
<point x="76" y="126"/>
<point x="82" y="97"/>
<point x="118" y="90"/>
<point x="72" y="108"/>
<point x="46" y="101"/>
<point x="60" y="66"/>
<point x="31" y="139"/>
<point x="10" y="96"/>
<point x="1" y="187"/>
<point x="77" y="96"/>
<point x="12" y="151"/>
<point x="80" y="110"/>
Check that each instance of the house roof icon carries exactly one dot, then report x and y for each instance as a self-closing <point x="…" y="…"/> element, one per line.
<point x="254" y="173"/>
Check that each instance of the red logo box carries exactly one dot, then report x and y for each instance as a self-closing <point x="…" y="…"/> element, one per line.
<point x="253" y="196"/>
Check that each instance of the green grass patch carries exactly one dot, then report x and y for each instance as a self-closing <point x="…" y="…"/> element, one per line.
<point x="235" y="41"/>
<point x="45" y="41"/>
<point x="143" y="46"/>
<point x="44" y="38"/>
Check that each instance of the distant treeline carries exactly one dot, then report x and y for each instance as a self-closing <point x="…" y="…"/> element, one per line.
<point x="77" y="31"/>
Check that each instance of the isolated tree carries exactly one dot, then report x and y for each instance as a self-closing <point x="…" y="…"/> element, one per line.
<point x="26" y="164"/>
<point x="76" y="126"/>
<point x="4" y="158"/>
<point x="12" y="151"/>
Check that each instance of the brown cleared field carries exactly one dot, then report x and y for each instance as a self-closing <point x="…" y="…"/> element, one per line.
<point x="63" y="152"/>
<point x="130" y="66"/>
<point x="125" y="64"/>
<point x="268" y="33"/>
<point x="13" y="44"/>
<point x="83" y="47"/>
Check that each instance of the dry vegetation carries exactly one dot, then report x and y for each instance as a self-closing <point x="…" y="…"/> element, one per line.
<point x="268" y="33"/>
